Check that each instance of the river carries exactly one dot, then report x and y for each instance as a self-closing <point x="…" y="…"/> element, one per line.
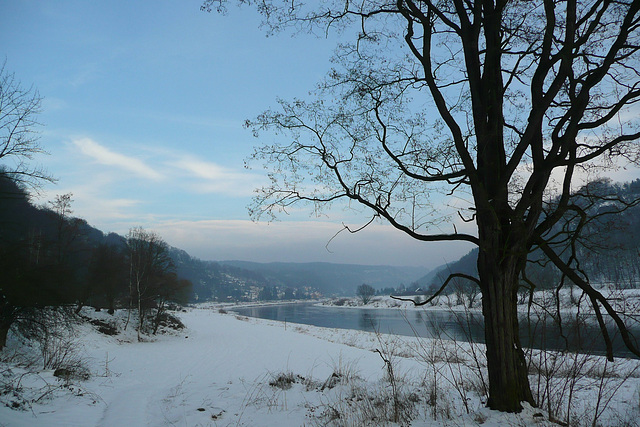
<point x="445" y="323"/>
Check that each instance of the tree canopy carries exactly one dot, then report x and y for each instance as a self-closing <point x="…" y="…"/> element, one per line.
<point x="19" y="109"/>
<point x="503" y="107"/>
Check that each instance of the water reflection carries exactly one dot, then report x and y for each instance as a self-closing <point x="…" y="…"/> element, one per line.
<point x="368" y="321"/>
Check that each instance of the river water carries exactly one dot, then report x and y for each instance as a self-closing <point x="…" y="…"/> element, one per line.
<point x="447" y="324"/>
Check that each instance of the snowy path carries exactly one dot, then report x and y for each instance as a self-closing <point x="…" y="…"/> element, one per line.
<point x="211" y="375"/>
<point x="126" y="409"/>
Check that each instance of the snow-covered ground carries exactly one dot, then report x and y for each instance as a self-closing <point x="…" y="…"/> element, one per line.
<point x="227" y="370"/>
<point x="571" y="300"/>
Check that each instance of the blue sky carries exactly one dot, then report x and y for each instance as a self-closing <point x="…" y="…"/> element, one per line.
<point x="143" y="108"/>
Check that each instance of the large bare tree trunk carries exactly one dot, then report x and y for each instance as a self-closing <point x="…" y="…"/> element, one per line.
<point x="506" y="365"/>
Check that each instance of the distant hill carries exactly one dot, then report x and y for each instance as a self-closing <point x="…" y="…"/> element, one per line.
<point x="467" y="264"/>
<point x="328" y="278"/>
<point x="237" y="280"/>
<point x="214" y="281"/>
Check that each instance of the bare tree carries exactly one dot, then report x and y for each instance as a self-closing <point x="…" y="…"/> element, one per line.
<point x="501" y="103"/>
<point x="169" y="288"/>
<point x="19" y="109"/>
<point x="365" y="292"/>
<point x="149" y="264"/>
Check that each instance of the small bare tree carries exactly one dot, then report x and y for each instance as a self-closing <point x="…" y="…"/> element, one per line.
<point x="365" y="292"/>
<point x="66" y="247"/>
<point x="149" y="263"/>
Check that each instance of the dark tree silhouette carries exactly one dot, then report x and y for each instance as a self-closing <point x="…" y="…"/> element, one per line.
<point x="108" y="275"/>
<point x="498" y="103"/>
<point x="169" y="288"/>
<point x="36" y="272"/>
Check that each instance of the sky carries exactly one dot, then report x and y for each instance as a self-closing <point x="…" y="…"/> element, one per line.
<point x="143" y="112"/>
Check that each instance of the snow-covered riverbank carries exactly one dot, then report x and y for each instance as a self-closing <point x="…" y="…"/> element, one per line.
<point x="225" y="370"/>
<point x="570" y="301"/>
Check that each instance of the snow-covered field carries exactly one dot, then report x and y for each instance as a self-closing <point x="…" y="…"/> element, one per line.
<point x="226" y="370"/>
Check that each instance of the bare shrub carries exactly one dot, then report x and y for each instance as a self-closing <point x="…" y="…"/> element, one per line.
<point x="52" y="330"/>
<point x="445" y="366"/>
<point x="58" y="350"/>
<point x="365" y="293"/>
<point x="564" y="382"/>
<point x="340" y="302"/>
<point x="284" y="380"/>
<point x="360" y="404"/>
<point x="460" y="365"/>
<point x="348" y="400"/>
<point x="388" y="351"/>
<point x="343" y="373"/>
<point x="264" y="394"/>
<point x="631" y="417"/>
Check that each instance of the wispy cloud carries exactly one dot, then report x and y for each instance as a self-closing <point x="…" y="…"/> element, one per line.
<point x="107" y="157"/>
<point x="54" y="104"/>
<point x="213" y="178"/>
<point x="206" y="170"/>
<point x="91" y="200"/>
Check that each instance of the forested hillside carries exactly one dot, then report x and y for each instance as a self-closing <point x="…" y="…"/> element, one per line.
<point x="54" y="261"/>
<point x="215" y="281"/>
<point x="611" y="247"/>
<point x="45" y="254"/>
